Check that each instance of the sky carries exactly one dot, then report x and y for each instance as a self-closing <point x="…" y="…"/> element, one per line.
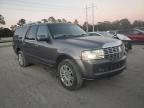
<point x="105" y="10"/>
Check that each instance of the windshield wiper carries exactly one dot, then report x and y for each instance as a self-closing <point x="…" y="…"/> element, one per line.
<point x="69" y="36"/>
<point x="64" y="36"/>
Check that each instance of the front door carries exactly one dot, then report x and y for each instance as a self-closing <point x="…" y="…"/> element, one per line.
<point x="44" y="49"/>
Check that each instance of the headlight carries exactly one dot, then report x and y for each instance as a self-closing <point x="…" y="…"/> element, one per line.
<point x="93" y="54"/>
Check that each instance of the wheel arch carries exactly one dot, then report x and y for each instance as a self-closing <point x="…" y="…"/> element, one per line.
<point x="17" y="50"/>
<point x="62" y="57"/>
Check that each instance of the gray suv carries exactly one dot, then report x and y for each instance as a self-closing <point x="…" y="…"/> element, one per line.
<point x="69" y="49"/>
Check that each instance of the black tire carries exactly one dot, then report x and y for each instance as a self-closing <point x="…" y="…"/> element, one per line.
<point x="23" y="62"/>
<point x="76" y="75"/>
<point x="128" y="46"/>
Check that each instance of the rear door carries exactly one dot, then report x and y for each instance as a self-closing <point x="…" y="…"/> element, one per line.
<point x="18" y="37"/>
<point x="29" y="43"/>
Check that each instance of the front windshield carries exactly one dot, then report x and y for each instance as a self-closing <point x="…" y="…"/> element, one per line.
<point x="141" y="29"/>
<point x="65" y="30"/>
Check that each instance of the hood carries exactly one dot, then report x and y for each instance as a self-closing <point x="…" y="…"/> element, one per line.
<point x="88" y="41"/>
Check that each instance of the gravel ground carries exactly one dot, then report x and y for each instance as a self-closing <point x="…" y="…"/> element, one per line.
<point x="37" y="87"/>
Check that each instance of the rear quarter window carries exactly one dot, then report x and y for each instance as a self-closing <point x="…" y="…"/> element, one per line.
<point x="21" y="31"/>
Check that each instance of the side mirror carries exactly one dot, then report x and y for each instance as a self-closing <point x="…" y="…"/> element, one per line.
<point x="115" y="37"/>
<point x="43" y="38"/>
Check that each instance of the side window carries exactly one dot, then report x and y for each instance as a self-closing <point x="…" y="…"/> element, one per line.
<point x="21" y="31"/>
<point x="16" y="33"/>
<point x="42" y="31"/>
<point x="32" y="32"/>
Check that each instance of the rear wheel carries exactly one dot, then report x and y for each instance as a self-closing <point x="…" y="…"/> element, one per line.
<point x="69" y="75"/>
<point x="22" y="60"/>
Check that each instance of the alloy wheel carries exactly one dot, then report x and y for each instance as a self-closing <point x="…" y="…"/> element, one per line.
<point x="66" y="75"/>
<point x="20" y="59"/>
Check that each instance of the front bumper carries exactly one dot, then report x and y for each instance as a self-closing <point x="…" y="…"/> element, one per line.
<point x="101" y="68"/>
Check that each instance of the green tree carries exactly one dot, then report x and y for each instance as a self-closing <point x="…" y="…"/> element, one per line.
<point x="21" y="22"/>
<point x="76" y="22"/>
<point x="52" y="19"/>
<point x="115" y="25"/>
<point x="124" y="24"/>
<point x="59" y="20"/>
<point x="102" y="26"/>
<point x="44" y="20"/>
<point x="39" y="22"/>
<point x="6" y="32"/>
<point x="138" y="23"/>
<point x="13" y="27"/>
<point x="64" y="20"/>
<point x="2" y="21"/>
<point x="107" y="25"/>
<point x="69" y="22"/>
<point x="84" y="26"/>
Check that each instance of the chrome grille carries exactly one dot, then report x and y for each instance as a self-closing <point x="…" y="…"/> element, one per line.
<point x="114" y="53"/>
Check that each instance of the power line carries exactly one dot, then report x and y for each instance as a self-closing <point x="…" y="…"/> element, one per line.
<point x="29" y="3"/>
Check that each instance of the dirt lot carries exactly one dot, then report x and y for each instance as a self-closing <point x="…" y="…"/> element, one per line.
<point x="36" y="87"/>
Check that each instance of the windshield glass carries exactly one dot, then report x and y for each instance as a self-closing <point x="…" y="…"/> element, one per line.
<point x="142" y="28"/>
<point x="65" y="30"/>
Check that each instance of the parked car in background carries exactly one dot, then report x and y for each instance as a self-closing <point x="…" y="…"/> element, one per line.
<point x="66" y="47"/>
<point x="141" y="29"/>
<point x="125" y="39"/>
<point x="137" y="36"/>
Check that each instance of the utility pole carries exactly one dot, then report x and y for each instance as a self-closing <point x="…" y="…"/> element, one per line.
<point x="86" y="19"/>
<point x="93" y="16"/>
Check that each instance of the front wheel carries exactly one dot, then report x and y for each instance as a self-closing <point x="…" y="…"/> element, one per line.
<point x="22" y="60"/>
<point x="69" y="75"/>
